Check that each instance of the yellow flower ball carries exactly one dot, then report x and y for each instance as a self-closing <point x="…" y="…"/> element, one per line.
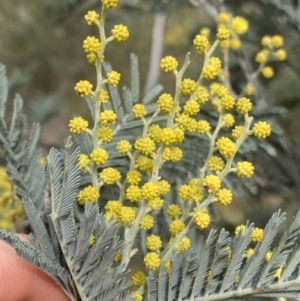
<point x="108" y="117"/>
<point x="249" y="252"/>
<point x="83" y="88"/>
<point x="173" y="154"/>
<point x="163" y="187"/>
<point x="191" y="107"/>
<point x="99" y="156"/>
<point x="133" y="193"/>
<point x="266" y="41"/>
<point x="83" y="161"/>
<point x="139" y="111"/>
<point x="110" y="175"/>
<point x="201" y="43"/>
<point x="228" y="120"/>
<point x="237" y="132"/>
<point x="120" y="33"/>
<point x="176" y="226"/>
<point x="223" y="17"/>
<point x="165" y="103"/>
<point x="88" y="194"/>
<point x="277" y="41"/>
<point x="188" y="86"/>
<point x="91" y="44"/>
<point x="202" y="95"/>
<point x="126" y="215"/>
<point x="212" y="183"/>
<point x="257" y="235"/>
<point x="245" y="169"/>
<point x="243" y="105"/>
<point x="224" y="196"/>
<point x="134" y="177"/>
<point x="105" y="134"/>
<point x="113" y="78"/>
<point x="109" y="3"/>
<point x="78" y="125"/>
<point x="226" y="147"/>
<point x="261" y="130"/>
<point x="203" y="126"/>
<point x="150" y="191"/>
<point x="174" y="211"/>
<point x="113" y="206"/>
<point x="184" y="244"/>
<point x="124" y="146"/>
<point x="216" y="164"/>
<point x="249" y="90"/>
<point x="235" y="44"/>
<point x="239" y="25"/>
<point x="240" y="228"/>
<point x="280" y="55"/>
<point x="92" y="17"/>
<point x="168" y="64"/>
<point x="155" y="204"/>
<point x="185" y="122"/>
<point x="104" y="96"/>
<point x="152" y="260"/>
<point x="201" y="219"/>
<point x="137" y="296"/>
<point x="223" y="33"/>
<point x="267" y="72"/>
<point x="138" y="278"/>
<point x="153" y="242"/>
<point x="147" y="222"/>
<point x="144" y="163"/>
<point x="227" y="102"/>
<point x="145" y="145"/>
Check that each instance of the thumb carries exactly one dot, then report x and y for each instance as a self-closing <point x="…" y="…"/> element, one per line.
<point x="20" y="280"/>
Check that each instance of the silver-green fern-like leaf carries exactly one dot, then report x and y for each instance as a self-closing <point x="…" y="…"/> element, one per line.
<point x="222" y="272"/>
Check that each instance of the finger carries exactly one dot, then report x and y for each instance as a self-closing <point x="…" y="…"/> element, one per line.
<point x="20" y="280"/>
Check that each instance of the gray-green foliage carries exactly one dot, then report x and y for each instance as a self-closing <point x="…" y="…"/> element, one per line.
<point x="60" y="238"/>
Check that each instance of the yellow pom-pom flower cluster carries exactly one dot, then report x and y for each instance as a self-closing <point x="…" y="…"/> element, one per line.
<point x="109" y="3"/>
<point x="245" y="169"/>
<point x="124" y="146"/>
<point x="92" y="17"/>
<point x="126" y="215"/>
<point x="113" y="206"/>
<point x="174" y="211"/>
<point x="173" y="154"/>
<point x="152" y="260"/>
<point x="83" y="88"/>
<point x="212" y="69"/>
<point x="240" y="228"/>
<point x="110" y="175"/>
<point x="147" y="222"/>
<point x="239" y="25"/>
<point x="108" y="117"/>
<point x="150" y="190"/>
<point x="188" y="86"/>
<point x="226" y="147"/>
<point x="83" y="161"/>
<point x="105" y="134"/>
<point x="203" y="126"/>
<point x="134" y="177"/>
<point x="216" y="164"/>
<point x="78" y="125"/>
<point x="120" y="33"/>
<point x="153" y="242"/>
<point x="243" y="105"/>
<point x="267" y="72"/>
<point x="262" y="129"/>
<point x="176" y="226"/>
<point x="201" y="43"/>
<point x="237" y="131"/>
<point x="280" y="55"/>
<point x="202" y="95"/>
<point x="277" y="41"/>
<point x="168" y="64"/>
<point x="191" y="107"/>
<point x="99" y="156"/>
<point x="191" y="192"/>
<point x="133" y="193"/>
<point x="88" y="194"/>
<point x="104" y="96"/>
<point x="138" y="278"/>
<point x="144" y="163"/>
<point x="137" y="296"/>
<point x="227" y="102"/>
<point x="184" y="244"/>
<point x="91" y="44"/>
<point x="257" y="235"/>
<point x="223" y="33"/>
<point x="139" y="111"/>
<point x="212" y="183"/>
<point x="145" y="145"/>
<point x="201" y="219"/>
<point x="113" y="78"/>
<point x="165" y="103"/>
<point x="228" y="120"/>
<point x="224" y="196"/>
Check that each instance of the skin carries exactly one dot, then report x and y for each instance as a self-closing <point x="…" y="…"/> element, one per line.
<point x="21" y="281"/>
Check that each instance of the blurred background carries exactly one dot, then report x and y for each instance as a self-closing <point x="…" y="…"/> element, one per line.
<point x="41" y="46"/>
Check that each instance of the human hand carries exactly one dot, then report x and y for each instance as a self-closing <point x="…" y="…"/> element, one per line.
<point x="22" y="281"/>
